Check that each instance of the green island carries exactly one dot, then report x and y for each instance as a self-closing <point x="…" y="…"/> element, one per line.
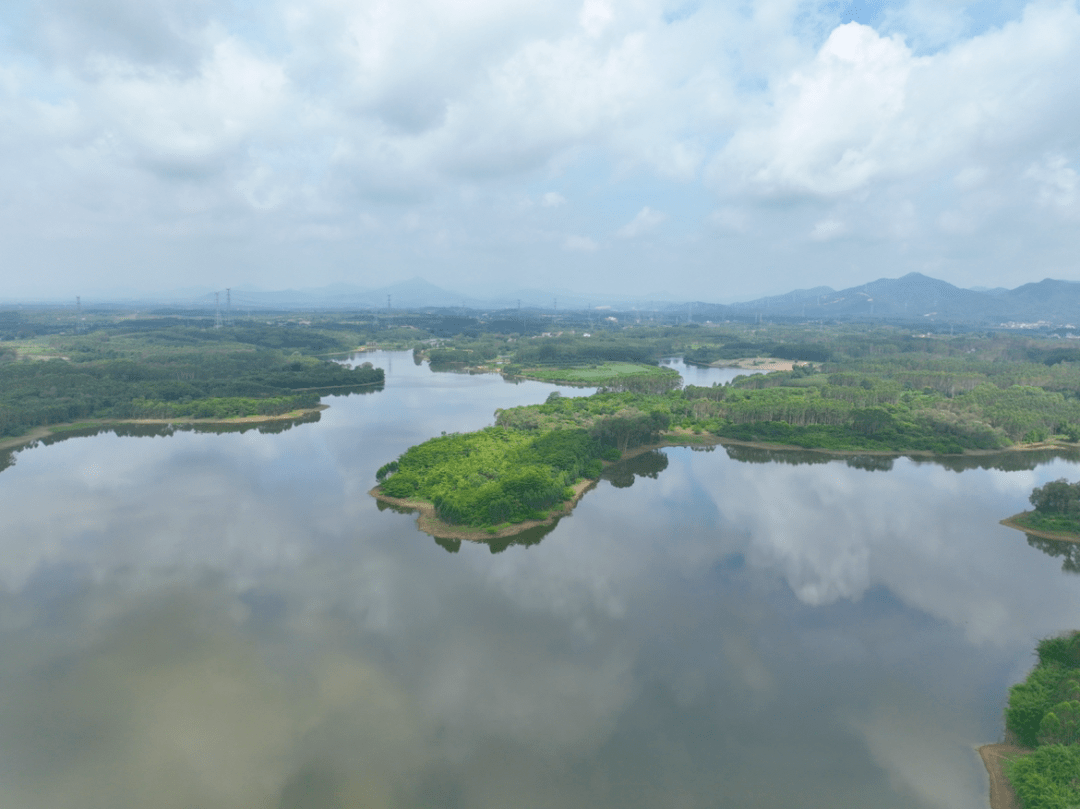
<point x="1056" y="513"/>
<point x="1039" y="763"/>
<point x="170" y="369"/>
<point x="848" y="390"/>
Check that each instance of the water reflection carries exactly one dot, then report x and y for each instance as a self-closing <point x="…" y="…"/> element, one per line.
<point x="1069" y="551"/>
<point x="230" y="621"/>
<point x="647" y="465"/>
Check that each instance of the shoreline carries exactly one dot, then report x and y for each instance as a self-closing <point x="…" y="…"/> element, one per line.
<point x="38" y="433"/>
<point x="994" y="757"/>
<point x="1011" y="522"/>
<point x="433" y="526"/>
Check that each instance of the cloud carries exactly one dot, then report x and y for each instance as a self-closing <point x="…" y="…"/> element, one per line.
<point x="833" y="118"/>
<point x="646" y="220"/>
<point x="867" y="110"/>
<point x="186" y="129"/>
<point x="827" y="229"/>
<point x="581" y="243"/>
<point x="729" y="219"/>
<point x="1058" y="183"/>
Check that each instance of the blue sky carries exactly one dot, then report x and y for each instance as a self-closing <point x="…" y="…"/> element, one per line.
<point x="708" y="150"/>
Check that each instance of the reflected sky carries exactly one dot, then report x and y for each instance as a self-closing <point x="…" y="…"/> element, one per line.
<point x="231" y="621"/>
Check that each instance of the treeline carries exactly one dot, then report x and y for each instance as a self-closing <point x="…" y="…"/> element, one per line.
<point x="1044" y="713"/>
<point x="796" y="416"/>
<point x="175" y="374"/>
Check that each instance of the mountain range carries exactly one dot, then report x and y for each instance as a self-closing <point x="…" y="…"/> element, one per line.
<point x="913" y="298"/>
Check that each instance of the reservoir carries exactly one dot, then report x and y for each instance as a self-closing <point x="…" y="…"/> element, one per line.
<point x="228" y="621"/>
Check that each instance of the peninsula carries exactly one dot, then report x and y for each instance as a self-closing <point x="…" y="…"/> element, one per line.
<point x="1056" y="514"/>
<point x="167" y="370"/>
<point x="1037" y="766"/>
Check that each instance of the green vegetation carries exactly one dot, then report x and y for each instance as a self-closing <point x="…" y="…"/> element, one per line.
<point x="876" y="389"/>
<point x="495" y="476"/>
<point x="943" y="398"/>
<point x="163" y="368"/>
<point x="1057" y="509"/>
<point x="1044" y="713"/>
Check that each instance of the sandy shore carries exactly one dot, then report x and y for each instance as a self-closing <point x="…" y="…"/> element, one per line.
<point x="59" y="429"/>
<point x="430" y="524"/>
<point x="755" y="364"/>
<point x="994" y="757"/>
<point x="1011" y="522"/>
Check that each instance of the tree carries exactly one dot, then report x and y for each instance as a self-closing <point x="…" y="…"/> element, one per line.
<point x="1057" y="497"/>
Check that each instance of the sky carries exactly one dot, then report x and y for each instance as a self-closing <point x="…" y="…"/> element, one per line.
<point x="685" y="149"/>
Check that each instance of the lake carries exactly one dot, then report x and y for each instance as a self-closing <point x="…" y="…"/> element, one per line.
<point x="200" y="620"/>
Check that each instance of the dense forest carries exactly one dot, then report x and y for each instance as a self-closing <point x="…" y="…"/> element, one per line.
<point x="163" y="368"/>
<point x="1044" y="714"/>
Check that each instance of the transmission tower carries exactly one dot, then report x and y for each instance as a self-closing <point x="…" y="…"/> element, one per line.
<point x="217" y="310"/>
<point x="228" y="307"/>
<point x="78" y="313"/>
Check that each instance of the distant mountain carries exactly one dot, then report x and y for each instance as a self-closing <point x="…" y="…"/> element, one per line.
<point x="1055" y="301"/>
<point x="913" y="298"/>
<point x="916" y="297"/>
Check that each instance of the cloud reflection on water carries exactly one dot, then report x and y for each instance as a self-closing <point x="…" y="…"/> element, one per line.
<point x="230" y="621"/>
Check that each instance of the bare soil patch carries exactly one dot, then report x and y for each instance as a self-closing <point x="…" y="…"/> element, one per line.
<point x="995" y="756"/>
<point x="755" y="364"/>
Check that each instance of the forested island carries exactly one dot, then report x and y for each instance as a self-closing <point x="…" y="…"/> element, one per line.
<point x="168" y="368"/>
<point x="1041" y="756"/>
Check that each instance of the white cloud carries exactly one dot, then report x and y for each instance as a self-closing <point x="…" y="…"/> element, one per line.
<point x="1058" y="182"/>
<point x="186" y="122"/>
<point x="182" y="119"/>
<point x="833" y="119"/>
<point x="646" y="220"/>
<point x="828" y="229"/>
<point x="582" y="243"/>
<point x="595" y="16"/>
<point x="730" y="219"/>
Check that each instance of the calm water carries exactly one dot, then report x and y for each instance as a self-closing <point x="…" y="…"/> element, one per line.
<point x="231" y="621"/>
<point x="698" y="375"/>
